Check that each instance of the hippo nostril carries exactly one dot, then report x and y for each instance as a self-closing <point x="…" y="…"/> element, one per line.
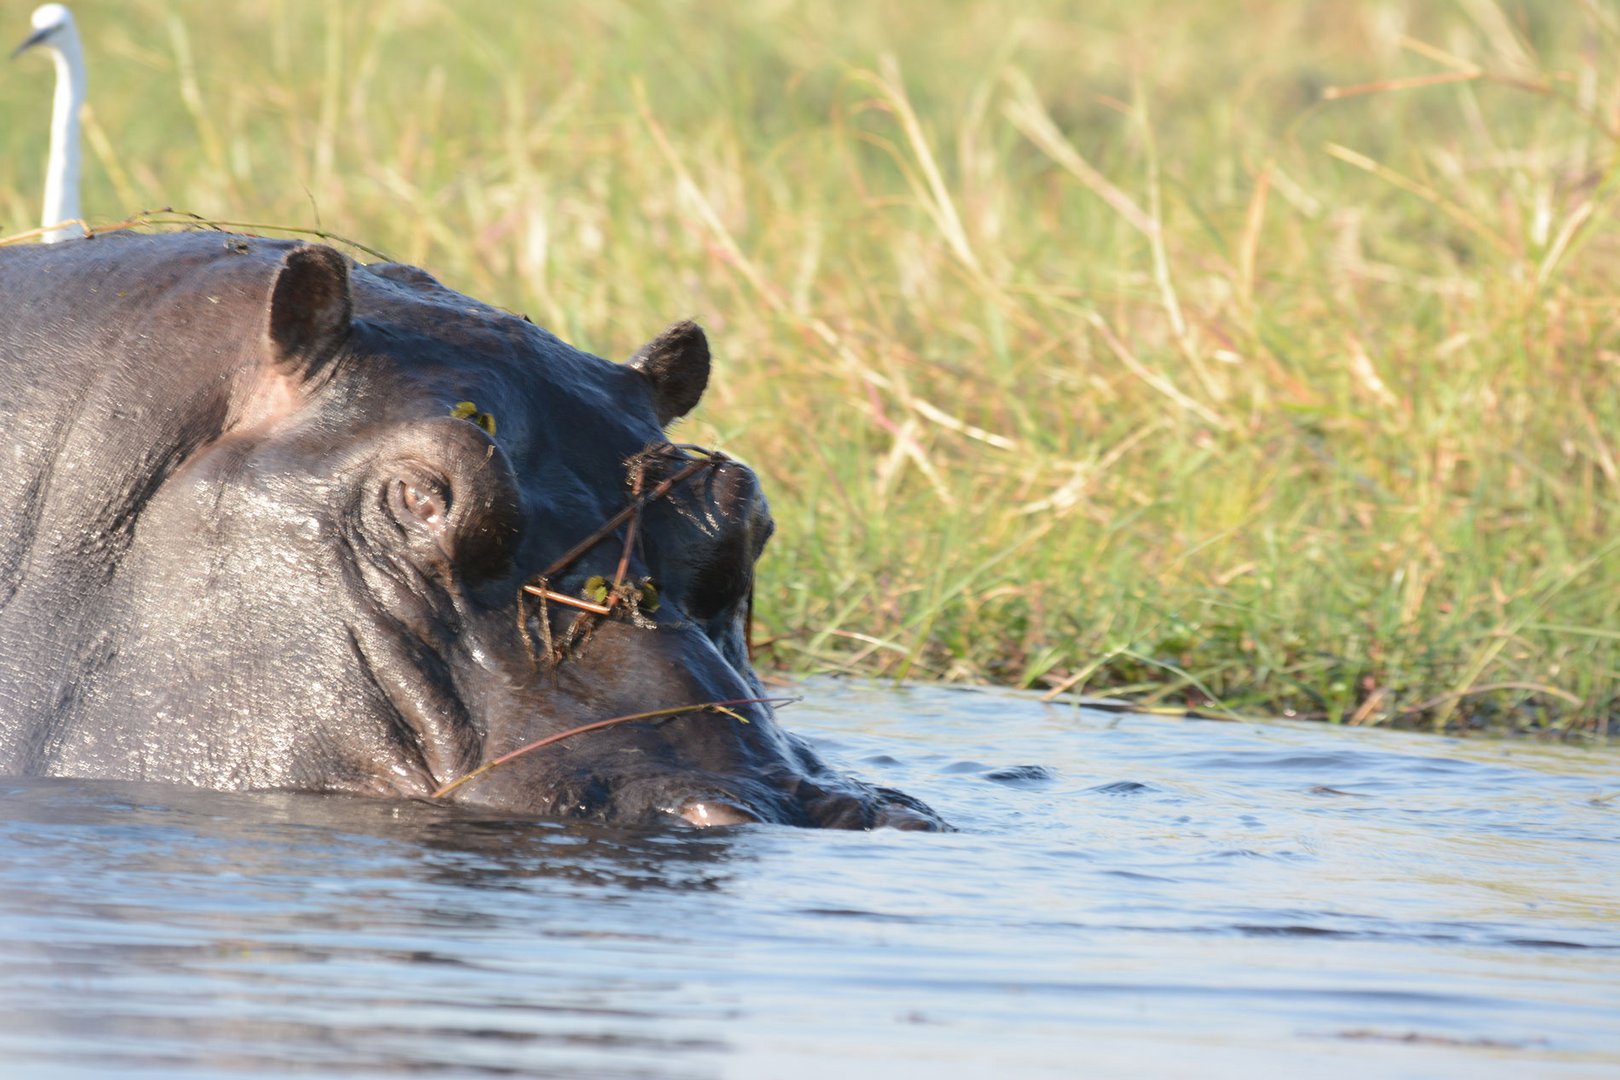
<point x="905" y="819"/>
<point x="879" y="808"/>
<point x="706" y="813"/>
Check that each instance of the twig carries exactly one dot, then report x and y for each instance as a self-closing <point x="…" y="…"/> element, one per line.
<point x="563" y="598"/>
<point x="637" y="474"/>
<point x="596" y="725"/>
<point x="154" y="218"/>
<point x="573" y="553"/>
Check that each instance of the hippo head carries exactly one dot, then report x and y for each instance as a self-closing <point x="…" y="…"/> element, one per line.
<point x="401" y="534"/>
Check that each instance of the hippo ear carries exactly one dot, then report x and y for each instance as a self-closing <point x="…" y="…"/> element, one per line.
<point x="676" y="363"/>
<point x="310" y="308"/>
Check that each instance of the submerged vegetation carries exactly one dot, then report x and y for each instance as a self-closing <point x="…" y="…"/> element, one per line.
<point x="1261" y="356"/>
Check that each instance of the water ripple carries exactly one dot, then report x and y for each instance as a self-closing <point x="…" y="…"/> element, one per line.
<point x="1123" y="889"/>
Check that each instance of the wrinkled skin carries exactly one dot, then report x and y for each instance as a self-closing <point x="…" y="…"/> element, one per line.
<point x="246" y="544"/>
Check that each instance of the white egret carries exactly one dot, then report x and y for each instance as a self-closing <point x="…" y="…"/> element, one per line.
<point x="55" y="33"/>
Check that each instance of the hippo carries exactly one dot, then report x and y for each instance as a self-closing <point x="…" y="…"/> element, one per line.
<point x="277" y="519"/>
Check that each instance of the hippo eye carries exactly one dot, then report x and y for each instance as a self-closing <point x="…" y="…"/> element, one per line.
<point x="419" y="503"/>
<point x="417" y="500"/>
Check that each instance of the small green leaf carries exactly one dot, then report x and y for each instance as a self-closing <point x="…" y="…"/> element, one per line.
<point x="467" y="410"/>
<point x="649" y="597"/>
<point x="596" y="588"/>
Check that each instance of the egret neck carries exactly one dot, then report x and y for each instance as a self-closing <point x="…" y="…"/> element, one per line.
<point x="55" y="32"/>
<point x="62" y="170"/>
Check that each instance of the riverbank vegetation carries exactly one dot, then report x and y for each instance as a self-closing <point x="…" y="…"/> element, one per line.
<point x="1261" y="357"/>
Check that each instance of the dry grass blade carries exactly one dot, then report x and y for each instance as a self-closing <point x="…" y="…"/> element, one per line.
<point x="1573" y="225"/>
<point x="1335" y="93"/>
<point x="1168" y="296"/>
<point x="1153" y="379"/>
<point x="103" y="149"/>
<point x="777" y="299"/>
<point x="724" y="708"/>
<point x="1029" y="116"/>
<point x="1450" y="698"/>
<point x="1254" y="218"/>
<point x="937" y="199"/>
<point x="1424" y="192"/>
<point x="35" y="234"/>
<point x="202" y="118"/>
<point x="1464" y="70"/>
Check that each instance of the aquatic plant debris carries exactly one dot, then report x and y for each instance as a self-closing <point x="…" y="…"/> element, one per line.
<point x="466" y="410"/>
<point x="633" y="599"/>
<point x="167" y="218"/>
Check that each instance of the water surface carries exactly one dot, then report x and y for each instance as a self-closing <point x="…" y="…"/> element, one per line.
<point x="1128" y="895"/>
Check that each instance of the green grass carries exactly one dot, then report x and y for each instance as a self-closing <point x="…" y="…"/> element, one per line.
<point x="1100" y="346"/>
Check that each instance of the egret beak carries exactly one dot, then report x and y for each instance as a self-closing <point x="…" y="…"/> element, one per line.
<point x="33" y="39"/>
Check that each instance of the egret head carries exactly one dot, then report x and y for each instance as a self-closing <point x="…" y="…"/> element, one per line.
<point x="52" y="24"/>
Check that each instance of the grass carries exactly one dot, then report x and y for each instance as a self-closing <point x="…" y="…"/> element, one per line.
<point x="1256" y="357"/>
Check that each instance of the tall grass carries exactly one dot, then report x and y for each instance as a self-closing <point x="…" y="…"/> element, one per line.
<point x="1258" y="356"/>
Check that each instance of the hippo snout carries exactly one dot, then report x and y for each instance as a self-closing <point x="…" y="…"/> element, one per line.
<point x="652" y="725"/>
<point x="852" y="814"/>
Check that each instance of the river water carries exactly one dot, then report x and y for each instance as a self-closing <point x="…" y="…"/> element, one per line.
<point x="1127" y="896"/>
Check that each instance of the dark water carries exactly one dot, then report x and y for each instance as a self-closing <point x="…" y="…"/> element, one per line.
<point x="1128" y="896"/>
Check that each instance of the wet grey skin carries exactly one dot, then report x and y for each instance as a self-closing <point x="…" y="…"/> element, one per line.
<point x="250" y="541"/>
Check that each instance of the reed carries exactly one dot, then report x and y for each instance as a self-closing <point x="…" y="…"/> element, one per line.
<point x="1256" y="357"/>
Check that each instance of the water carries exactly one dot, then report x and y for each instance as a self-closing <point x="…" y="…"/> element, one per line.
<point x="1128" y="896"/>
